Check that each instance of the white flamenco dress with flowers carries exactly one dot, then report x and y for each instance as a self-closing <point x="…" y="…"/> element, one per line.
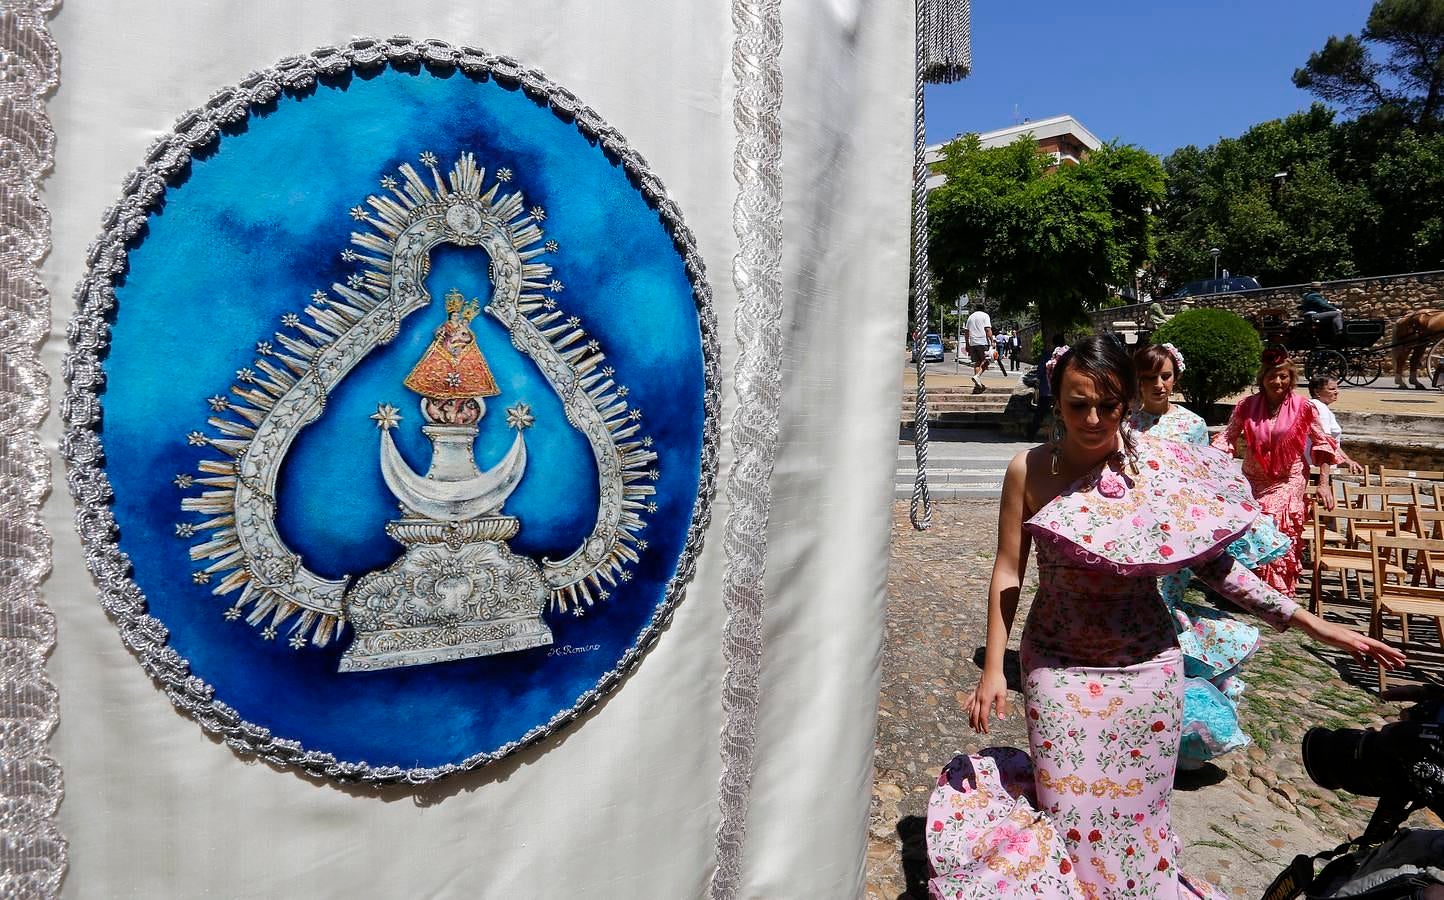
<point x="1215" y="645"/>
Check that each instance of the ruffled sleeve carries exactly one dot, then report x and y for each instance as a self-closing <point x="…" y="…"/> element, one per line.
<point x="1184" y="504"/>
<point x="1227" y="440"/>
<point x="1197" y="432"/>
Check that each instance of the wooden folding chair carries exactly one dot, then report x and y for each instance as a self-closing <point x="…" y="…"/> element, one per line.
<point x="1399" y="599"/>
<point x="1426" y="523"/>
<point x="1339" y="556"/>
<point x="1423" y="479"/>
<point x="1311" y="503"/>
<point x="1390" y="476"/>
<point x="1386" y="498"/>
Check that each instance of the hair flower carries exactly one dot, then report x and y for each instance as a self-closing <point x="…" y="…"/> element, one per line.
<point x="1177" y="358"/>
<point x="1058" y="353"/>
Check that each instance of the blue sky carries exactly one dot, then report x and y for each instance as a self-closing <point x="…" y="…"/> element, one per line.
<point x="1157" y="73"/>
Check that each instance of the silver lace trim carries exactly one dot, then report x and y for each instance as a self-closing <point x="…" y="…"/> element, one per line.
<point x="757" y="275"/>
<point x="32" y="850"/>
<point x="90" y="335"/>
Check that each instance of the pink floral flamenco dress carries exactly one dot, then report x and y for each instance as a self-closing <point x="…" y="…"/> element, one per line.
<point x="1087" y="816"/>
<point x="1274" y="464"/>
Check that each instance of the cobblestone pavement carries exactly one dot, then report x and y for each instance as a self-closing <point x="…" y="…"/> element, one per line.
<point x="1240" y="822"/>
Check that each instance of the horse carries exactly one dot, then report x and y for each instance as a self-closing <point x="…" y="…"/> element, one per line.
<point x="1414" y="332"/>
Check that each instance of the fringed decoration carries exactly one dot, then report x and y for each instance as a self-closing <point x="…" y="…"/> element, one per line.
<point x="945" y="47"/>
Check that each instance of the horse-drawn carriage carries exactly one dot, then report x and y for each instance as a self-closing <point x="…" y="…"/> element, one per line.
<point x="1354" y="354"/>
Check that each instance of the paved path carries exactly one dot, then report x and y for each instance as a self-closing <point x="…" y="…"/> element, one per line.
<point x="1240" y="822"/>
<point x="1380" y="397"/>
<point x="958" y="470"/>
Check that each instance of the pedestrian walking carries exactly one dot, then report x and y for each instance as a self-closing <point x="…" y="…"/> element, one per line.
<point x="980" y="339"/>
<point x="1013" y="349"/>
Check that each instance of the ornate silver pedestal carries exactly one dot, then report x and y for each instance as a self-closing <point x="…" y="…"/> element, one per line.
<point x="457" y="592"/>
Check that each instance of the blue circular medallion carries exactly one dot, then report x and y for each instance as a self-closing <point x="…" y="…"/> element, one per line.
<point x="409" y="411"/>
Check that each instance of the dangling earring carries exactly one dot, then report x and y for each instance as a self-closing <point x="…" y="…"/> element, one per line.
<point x="1057" y="440"/>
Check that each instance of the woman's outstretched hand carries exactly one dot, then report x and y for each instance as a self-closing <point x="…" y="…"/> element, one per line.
<point x="1362" y="647"/>
<point x="990" y="696"/>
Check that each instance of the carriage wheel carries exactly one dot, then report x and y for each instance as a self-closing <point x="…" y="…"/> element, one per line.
<point x="1434" y="364"/>
<point x="1326" y="364"/>
<point x="1364" y="369"/>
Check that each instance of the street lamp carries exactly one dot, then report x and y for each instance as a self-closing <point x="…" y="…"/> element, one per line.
<point x="1215" y="253"/>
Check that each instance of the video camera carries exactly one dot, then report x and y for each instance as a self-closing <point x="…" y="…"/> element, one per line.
<point x="1402" y="764"/>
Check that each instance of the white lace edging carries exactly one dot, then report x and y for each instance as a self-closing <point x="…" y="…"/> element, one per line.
<point x="32" y="850"/>
<point x="757" y="275"/>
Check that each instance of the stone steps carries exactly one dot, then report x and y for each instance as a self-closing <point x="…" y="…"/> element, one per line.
<point x="960" y="406"/>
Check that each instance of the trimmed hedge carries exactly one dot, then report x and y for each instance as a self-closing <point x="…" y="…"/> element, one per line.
<point x="1220" y="354"/>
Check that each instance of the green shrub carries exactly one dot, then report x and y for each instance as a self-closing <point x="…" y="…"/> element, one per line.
<point x="1220" y="354"/>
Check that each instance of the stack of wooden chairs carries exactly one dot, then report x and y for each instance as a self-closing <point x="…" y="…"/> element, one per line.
<point x="1386" y="534"/>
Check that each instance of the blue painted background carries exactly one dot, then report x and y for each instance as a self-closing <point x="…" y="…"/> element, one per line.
<point x="243" y="237"/>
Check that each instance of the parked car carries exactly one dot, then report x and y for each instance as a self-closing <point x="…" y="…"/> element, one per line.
<point x="1231" y="285"/>
<point x="933" y="348"/>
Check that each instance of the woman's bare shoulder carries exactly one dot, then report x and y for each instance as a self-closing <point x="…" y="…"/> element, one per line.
<point x="1021" y="463"/>
<point x="1025" y="468"/>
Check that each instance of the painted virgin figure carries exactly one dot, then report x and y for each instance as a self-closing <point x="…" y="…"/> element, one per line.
<point x="452" y="377"/>
<point x="1110" y="512"/>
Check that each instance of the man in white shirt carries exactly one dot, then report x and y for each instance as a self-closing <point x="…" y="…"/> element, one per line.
<point x="1323" y="392"/>
<point x="980" y="341"/>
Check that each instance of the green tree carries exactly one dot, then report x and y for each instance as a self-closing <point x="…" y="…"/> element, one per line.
<point x="1273" y="200"/>
<point x="1061" y="239"/>
<point x="1405" y="80"/>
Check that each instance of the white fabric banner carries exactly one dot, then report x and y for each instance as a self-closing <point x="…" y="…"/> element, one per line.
<point x="622" y="803"/>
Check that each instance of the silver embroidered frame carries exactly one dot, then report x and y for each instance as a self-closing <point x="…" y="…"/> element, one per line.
<point x="89" y="337"/>
<point x="32" y="850"/>
<point x="757" y="275"/>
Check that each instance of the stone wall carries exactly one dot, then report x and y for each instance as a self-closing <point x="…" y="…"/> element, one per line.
<point x="1384" y="297"/>
<point x="1395" y="453"/>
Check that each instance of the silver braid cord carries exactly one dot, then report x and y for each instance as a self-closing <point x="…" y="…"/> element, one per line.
<point x="757" y="275"/>
<point x="920" y="510"/>
<point x="32" y="850"/>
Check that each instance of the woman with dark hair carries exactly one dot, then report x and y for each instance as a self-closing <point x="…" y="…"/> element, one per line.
<point x="1102" y="672"/>
<point x="1214" y="644"/>
<point x="1271" y="428"/>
